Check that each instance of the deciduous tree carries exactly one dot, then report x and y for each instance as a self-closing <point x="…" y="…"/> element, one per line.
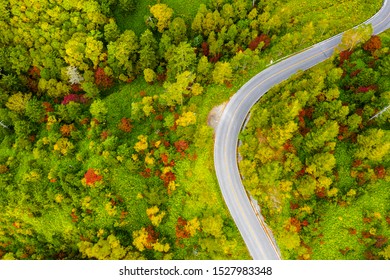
<point x="163" y="14"/>
<point x="222" y="72"/>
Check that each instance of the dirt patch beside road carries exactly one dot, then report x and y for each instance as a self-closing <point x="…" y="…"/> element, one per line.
<point x="215" y="115"/>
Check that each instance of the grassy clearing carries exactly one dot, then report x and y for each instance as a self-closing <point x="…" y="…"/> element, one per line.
<point x="337" y="220"/>
<point x="136" y="20"/>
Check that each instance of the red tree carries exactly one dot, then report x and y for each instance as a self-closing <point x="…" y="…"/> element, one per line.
<point x="181" y="232"/>
<point x="164" y="158"/>
<point x="91" y="177"/>
<point x="152" y="237"/>
<point x="104" y="135"/>
<point x="168" y="177"/>
<point x="380" y="172"/>
<point x="205" y="49"/>
<point x="262" y="38"/>
<point x="75" y="98"/>
<point x="181" y="146"/>
<point x="125" y="125"/>
<point x="344" y="55"/>
<point x="215" y="58"/>
<point x="373" y="44"/>
<point x="102" y="79"/>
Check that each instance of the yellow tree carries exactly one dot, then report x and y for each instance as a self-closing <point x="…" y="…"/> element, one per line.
<point x="186" y="119"/>
<point x="18" y="102"/>
<point x="213" y="225"/>
<point x="140" y="239"/>
<point x="142" y="144"/>
<point x="149" y="75"/>
<point x="75" y="51"/>
<point x="353" y="37"/>
<point x="104" y="249"/>
<point x="222" y="72"/>
<point x="163" y="14"/>
<point x="93" y="51"/>
<point x="155" y="215"/>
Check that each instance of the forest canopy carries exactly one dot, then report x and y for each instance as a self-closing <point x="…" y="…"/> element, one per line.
<point x="105" y="150"/>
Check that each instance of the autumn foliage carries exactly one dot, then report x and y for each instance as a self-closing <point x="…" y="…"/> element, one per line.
<point x="215" y="58"/>
<point x="344" y="55"/>
<point x="205" y="49"/>
<point x="181" y="231"/>
<point x="104" y="135"/>
<point x="151" y="238"/>
<point x="125" y="125"/>
<point x="91" y="177"/>
<point x="48" y="107"/>
<point x="373" y="44"/>
<point x="66" y="129"/>
<point x="262" y="38"/>
<point x="32" y="81"/>
<point x="74" y="97"/>
<point x="168" y="177"/>
<point x="102" y="79"/>
<point x="181" y="146"/>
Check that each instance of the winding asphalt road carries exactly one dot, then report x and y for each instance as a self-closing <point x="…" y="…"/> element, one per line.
<point x="259" y="242"/>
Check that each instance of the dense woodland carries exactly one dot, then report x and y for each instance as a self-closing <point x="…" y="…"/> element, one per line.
<point x="105" y="150"/>
<point x="316" y="155"/>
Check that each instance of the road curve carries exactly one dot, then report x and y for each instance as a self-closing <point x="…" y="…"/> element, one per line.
<point x="258" y="241"/>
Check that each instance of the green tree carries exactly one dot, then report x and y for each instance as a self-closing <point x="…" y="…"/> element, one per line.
<point x="227" y="12"/>
<point x="111" y="31"/>
<point x="178" y="30"/>
<point x="19" y="59"/>
<point x="203" y="71"/>
<point x="53" y="88"/>
<point x="70" y="112"/>
<point x="174" y="92"/>
<point x="122" y="54"/>
<point x="91" y="89"/>
<point x="35" y="110"/>
<point x="212" y="225"/>
<point x="75" y="51"/>
<point x="196" y="25"/>
<point x="147" y="58"/>
<point x="385" y="253"/>
<point x="317" y="138"/>
<point x="98" y="110"/>
<point x="241" y="8"/>
<point x="384" y="66"/>
<point x="321" y="164"/>
<point x="182" y="58"/>
<point x="148" y="51"/>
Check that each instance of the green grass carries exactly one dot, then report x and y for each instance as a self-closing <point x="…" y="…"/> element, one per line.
<point x="136" y="20"/>
<point x="337" y="220"/>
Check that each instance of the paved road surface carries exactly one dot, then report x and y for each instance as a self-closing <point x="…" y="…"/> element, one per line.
<point x="259" y="243"/>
